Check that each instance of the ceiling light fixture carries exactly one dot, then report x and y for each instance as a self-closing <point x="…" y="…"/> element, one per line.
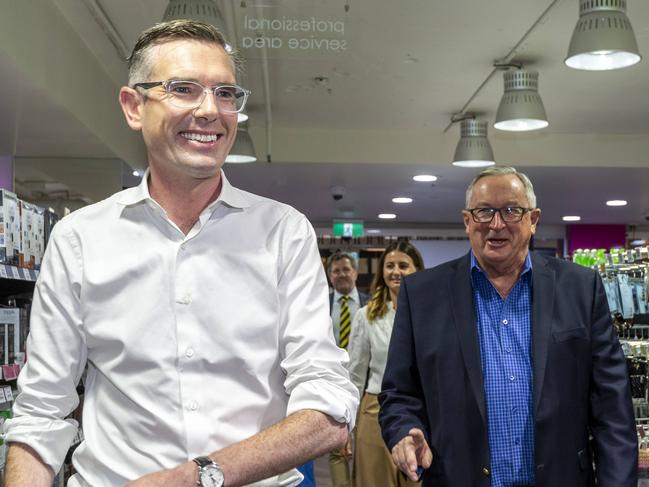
<point x="571" y="218"/>
<point x="243" y="150"/>
<point x="616" y="203"/>
<point x="425" y="178"/>
<point x="473" y="148"/>
<point x="402" y="200"/>
<point x="603" y="38"/>
<point x="521" y="108"/>
<point x="387" y="216"/>
<point x="202" y="10"/>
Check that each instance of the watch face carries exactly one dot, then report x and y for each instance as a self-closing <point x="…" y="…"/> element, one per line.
<point x="211" y="476"/>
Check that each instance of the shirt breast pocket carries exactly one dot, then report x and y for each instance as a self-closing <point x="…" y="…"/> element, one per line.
<point x="571" y="334"/>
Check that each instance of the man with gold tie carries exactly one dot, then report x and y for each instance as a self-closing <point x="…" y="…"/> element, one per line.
<point x="344" y="301"/>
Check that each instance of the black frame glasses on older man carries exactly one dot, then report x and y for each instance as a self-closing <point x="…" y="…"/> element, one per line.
<point x="509" y="214"/>
<point x="191" y="94"/>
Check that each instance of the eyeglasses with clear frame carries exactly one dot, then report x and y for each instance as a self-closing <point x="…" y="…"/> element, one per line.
<point x="191" y="94"/>
<point x="509" y="214"/>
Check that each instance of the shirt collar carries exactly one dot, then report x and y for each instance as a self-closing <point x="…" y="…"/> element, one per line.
<point x="527" y="265"/>
<point x="352" y="295"/>
<point x="229" y="195"/>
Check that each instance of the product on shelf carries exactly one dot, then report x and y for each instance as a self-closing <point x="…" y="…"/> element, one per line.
<point x="9" y="228"/>
<point x="32" y="241"/>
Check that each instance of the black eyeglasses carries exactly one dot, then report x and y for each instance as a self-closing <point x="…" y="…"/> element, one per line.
<point x="190" y="94"/>
<point x="509" y="214"/>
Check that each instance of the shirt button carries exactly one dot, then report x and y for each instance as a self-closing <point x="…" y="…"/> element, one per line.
<point x="189" y="353"/>
<point x="508" y="349"/>
<point x="517" y="441"/>
<point x="485" y="472"/>
<point x="192" y="406"/>
<point x="505" y="322"/>
<point x="512" y="377"/>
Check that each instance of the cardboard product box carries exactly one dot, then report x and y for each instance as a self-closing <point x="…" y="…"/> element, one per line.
<point x="38" y="235"/>
<point x="26" y="255"/>
<point x="9" y="227"/>
<point x="10" y="335"/>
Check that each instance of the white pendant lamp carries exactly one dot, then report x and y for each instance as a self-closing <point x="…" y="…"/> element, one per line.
<point x="603" y="38"/>
<point x="521" y="108"/>
<point x="202" y="10"/>
<point x="473" y="148"/>
<point x="243" y="150"/>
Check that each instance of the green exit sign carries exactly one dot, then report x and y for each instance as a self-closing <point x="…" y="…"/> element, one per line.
<point x="348" y="229"/>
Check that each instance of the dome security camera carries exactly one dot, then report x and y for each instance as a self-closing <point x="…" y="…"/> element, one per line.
<point x="337" y="193"/>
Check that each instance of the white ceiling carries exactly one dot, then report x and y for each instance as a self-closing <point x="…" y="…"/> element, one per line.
<point x="376" y="119"/>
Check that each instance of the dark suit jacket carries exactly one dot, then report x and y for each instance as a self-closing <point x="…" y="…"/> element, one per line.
<point x="433" y="379"/>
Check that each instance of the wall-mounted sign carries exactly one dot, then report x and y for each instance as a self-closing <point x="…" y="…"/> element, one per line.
<point x="348" y="229"/>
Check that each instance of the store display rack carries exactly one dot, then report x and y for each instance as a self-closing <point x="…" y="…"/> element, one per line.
<point x="16" y="280"/>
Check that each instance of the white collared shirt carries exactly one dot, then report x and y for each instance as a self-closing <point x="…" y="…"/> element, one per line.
<point x="192" y="342"/>
<point x="368" y="349"/>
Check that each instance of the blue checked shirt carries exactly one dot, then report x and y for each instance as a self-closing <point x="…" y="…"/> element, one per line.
<point x="504" y="330"/>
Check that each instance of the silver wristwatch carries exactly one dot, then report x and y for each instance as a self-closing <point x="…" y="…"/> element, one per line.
<point x="209" y="472"/>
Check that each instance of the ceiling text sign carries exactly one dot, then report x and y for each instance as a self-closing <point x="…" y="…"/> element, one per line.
<point x="293" y="34"/>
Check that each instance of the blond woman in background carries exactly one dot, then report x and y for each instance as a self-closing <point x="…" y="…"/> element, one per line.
<point x="368" y="350"/>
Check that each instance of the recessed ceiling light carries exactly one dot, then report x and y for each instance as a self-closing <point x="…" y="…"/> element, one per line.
<point x="387" y="216"/>
<point x="425" y="178"/>
<point x="402" y="199"/>
<point x="616" y="203"/>
<point x="638" y="242"/>
<point x="571" y="218"/>
<point x="373" y="230"/>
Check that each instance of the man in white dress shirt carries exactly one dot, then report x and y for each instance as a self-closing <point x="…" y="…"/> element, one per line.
<point x="199" y="309"/>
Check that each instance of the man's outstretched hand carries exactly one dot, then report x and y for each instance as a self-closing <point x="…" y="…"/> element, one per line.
<point x="411" y="452"/>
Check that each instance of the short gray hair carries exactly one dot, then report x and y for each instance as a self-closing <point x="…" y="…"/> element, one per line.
<point x="336" y="256"/>
<point x="140" y="62"/>
<point x="504" y="171"/>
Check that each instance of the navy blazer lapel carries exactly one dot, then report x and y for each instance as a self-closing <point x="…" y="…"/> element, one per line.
<point x="467" y="331"/>
<point x="543" y="289"/>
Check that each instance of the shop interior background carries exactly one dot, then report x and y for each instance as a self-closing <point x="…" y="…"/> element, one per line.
<point x="357" y="95"/>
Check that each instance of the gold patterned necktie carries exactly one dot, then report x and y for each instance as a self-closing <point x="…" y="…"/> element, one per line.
<point x="345" y="322"/>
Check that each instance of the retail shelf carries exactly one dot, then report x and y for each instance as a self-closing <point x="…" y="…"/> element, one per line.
<point x="13" y="272"/>
<point x="16" y="280"/>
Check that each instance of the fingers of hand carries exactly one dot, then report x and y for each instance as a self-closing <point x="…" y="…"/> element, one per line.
<point x="405" y="457"/>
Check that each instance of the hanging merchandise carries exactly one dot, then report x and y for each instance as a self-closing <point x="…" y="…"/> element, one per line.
<point x="625" y="275"/>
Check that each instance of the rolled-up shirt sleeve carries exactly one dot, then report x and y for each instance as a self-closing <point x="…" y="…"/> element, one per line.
<point x="56" y="356"/>
<point x="315" y="367"/>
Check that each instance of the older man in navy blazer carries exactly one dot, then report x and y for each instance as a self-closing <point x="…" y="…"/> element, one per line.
<point x="504" y="369"/>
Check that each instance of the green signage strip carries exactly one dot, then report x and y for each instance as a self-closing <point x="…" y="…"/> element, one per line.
<point x="348" y="229"/>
